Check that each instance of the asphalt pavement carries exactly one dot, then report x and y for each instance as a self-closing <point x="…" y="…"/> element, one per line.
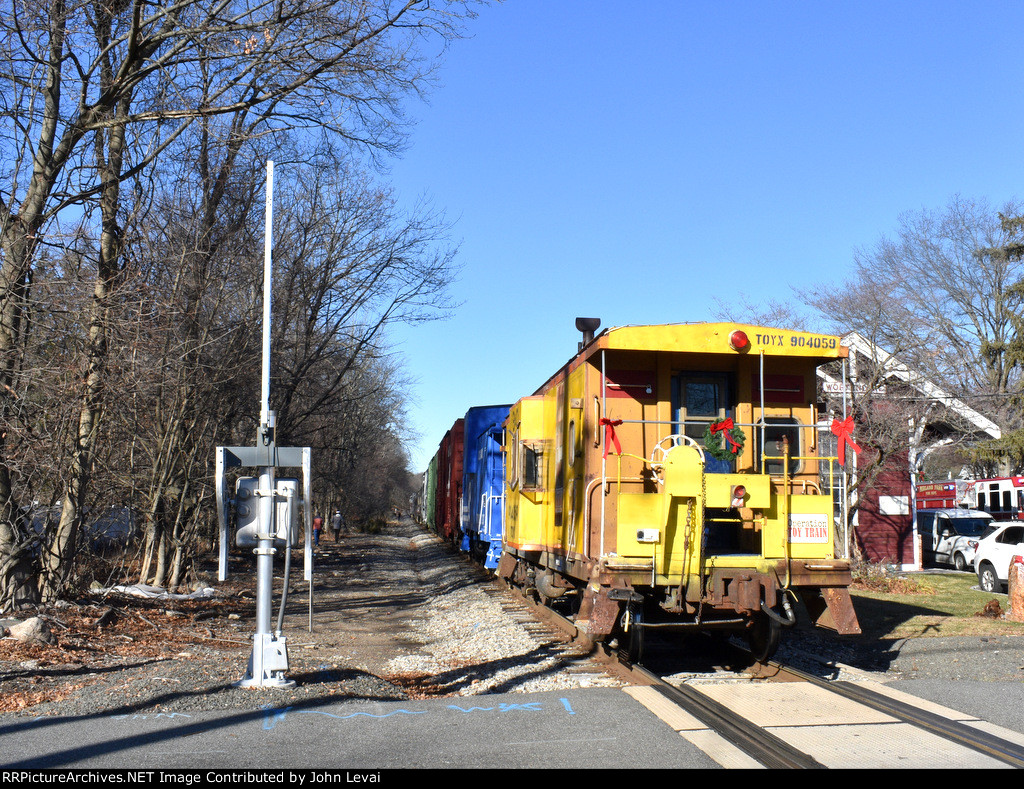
<point x="577" y="729"/>
<point x="357" y="742"/>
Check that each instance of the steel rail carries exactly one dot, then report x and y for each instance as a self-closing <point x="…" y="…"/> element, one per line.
<point x="983" y="742"/>
<point x="755" y="741"/>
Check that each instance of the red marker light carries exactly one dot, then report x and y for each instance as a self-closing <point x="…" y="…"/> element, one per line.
<point x="739" y="341"/>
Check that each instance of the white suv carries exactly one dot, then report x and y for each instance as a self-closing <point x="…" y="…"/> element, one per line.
<point x="995" y="553"/>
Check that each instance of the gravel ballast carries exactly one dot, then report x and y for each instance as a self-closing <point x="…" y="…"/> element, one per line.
<point x="394" y="616"/>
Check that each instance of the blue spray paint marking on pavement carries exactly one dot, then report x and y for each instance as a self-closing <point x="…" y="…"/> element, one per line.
<point x="273" y="717"/>
<point x="358" y="714"/>
<point x="533" y="706"/>
<point x="568" y="707"/>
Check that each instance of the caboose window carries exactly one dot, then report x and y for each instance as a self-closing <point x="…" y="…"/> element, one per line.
<point x="702" y="398"/>
<point x="698" y="400"/>
<point x="532" y="458"/>
<point x="781" y="437"/>
<point x="513" y="461"/>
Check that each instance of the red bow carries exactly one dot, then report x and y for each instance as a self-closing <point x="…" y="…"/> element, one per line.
<point x="609" y="435"/>
<point x="844" y="431"/>
<point x="724" y="427"/>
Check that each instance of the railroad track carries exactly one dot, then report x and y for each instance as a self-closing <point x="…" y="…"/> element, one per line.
<point x="552" y="630"/>
<point x="995" y="747"/>
<point x="768" y="748"/>
<point x="772" y="751"/>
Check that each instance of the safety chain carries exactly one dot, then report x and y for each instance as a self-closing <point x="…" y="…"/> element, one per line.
<point x="703" y="542"/>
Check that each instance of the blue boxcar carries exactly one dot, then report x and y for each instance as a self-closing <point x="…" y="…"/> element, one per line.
<point x="483" y="483"/>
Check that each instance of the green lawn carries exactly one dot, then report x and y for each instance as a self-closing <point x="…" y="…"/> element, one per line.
<point x="945" y="605"/>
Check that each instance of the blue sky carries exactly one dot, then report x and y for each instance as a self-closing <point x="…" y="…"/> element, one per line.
<point x="633" y="161"/>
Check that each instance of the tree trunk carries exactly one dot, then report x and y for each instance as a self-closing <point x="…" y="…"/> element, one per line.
<point x="58" y="560"/>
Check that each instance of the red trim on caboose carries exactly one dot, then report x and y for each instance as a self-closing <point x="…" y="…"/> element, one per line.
<point x="779" y="388"/>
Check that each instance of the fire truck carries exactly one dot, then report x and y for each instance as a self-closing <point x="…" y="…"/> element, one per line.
<point x="1002" y="497"/>
<point x="942" y="495"/>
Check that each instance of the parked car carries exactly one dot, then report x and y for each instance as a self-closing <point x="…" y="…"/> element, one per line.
<point x="951" y="535"/>
<point x="995" y="554"/>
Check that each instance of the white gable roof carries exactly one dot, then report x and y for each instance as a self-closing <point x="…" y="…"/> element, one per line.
<point x="895" y="368"/>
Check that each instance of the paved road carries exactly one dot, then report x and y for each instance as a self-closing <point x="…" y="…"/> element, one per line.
<point x="596" y="728"/>
<point x="589" y="728"/>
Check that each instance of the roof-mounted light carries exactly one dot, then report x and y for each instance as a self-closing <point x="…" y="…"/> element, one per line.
<point x="739" y="341"/>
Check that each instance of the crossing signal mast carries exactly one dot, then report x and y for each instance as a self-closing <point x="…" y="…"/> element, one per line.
<point x="266" y="507"/>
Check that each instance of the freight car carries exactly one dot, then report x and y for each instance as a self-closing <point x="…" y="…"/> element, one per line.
<point x="483" y="483"/>
<point x="463" y="487"/>
<point x="668" y="477"/>
<point x="446" y="519"/>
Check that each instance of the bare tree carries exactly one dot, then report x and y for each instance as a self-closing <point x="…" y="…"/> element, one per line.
<point x="99" y="92"/>
<point x="351" y="265"/>
<point x="935" y="297"/>
<point x="198" y="333"/>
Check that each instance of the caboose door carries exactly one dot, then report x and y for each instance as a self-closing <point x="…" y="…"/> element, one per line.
<point x="698" y="400"/>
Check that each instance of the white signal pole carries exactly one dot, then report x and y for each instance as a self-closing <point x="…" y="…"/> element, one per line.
<point x="260" y="524"/>
<point x="266" y="417"/>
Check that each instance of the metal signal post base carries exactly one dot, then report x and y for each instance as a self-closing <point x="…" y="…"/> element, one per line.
<point x="268" y="663"/>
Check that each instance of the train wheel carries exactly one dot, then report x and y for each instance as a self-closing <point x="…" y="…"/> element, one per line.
<point x="763" y="637"/>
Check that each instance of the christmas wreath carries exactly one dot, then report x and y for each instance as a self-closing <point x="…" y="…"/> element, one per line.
<point x="723" y="441"/>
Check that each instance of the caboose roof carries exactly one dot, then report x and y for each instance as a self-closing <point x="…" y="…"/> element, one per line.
<point x="715" y="338"/>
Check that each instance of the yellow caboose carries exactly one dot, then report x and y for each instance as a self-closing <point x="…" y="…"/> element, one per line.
<point x="670" y="476"/>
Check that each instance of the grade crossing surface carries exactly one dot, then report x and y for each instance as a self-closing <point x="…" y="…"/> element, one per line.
<point x="836" y="731"/>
